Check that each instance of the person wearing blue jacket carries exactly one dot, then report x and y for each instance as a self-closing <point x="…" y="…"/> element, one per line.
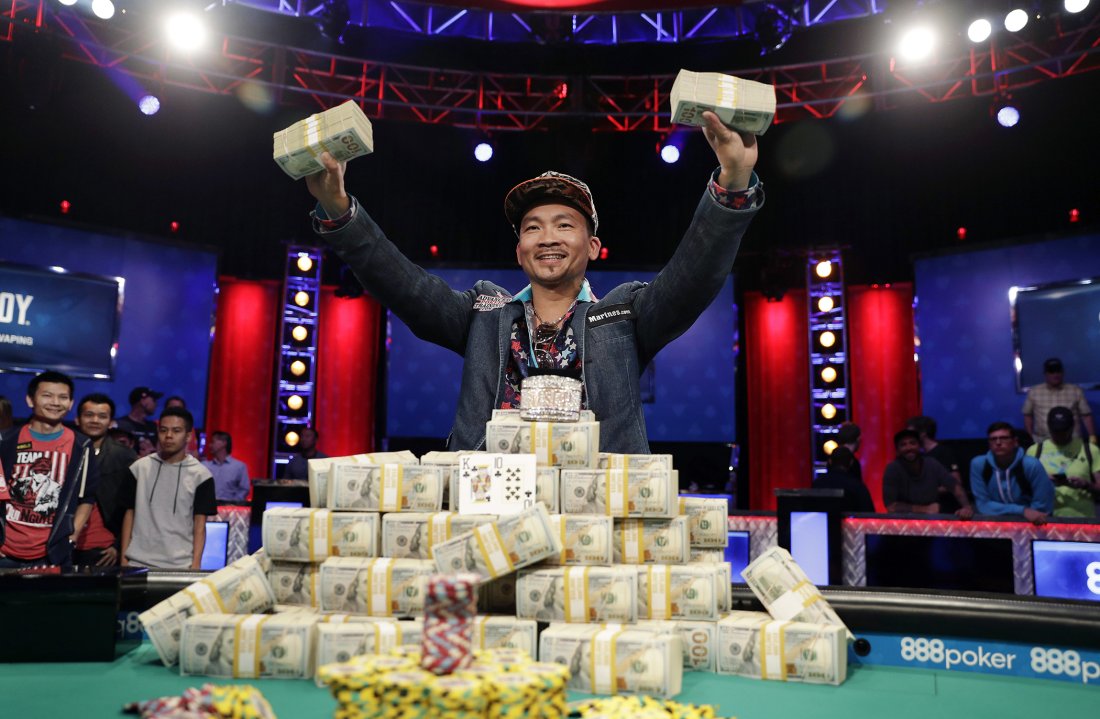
<point x="1006" y="481"/>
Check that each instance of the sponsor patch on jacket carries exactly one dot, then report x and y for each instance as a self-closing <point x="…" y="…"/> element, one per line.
<point x="609" y="314"/>
<point x="24" y="446"/>
<point x="488" y="303"/>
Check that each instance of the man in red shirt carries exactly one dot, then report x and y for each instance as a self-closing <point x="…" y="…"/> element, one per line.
<point x="99" y="543"/>
<point x="48" y="479"/>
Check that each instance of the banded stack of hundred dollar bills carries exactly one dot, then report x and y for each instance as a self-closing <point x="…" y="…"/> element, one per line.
<point x="615" y="660"/>
<point x="342" y="131"/>
<point x="753" y="644"/>
<point x="554" y="444"/>
<point x="743" y="105"/>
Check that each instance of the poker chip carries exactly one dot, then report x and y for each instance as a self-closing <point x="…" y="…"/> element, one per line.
<point x="450" y="607"/>
<point x="235" y="701"/>
<point x="638" y="707"/>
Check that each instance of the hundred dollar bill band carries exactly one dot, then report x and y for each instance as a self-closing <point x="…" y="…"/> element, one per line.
<point x="557" y="324"/>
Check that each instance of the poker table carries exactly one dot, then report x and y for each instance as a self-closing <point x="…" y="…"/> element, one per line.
<point x="95" y="690"/>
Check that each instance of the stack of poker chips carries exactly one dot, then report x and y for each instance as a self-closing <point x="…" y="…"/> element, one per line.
<point x="633" y="707"/>
<point x="450" y="608"/>
<point x="498" y="684"/>
<point x="239" y="701"/>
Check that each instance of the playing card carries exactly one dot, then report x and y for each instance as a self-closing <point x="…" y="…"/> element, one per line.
<point x="496" y="483"/>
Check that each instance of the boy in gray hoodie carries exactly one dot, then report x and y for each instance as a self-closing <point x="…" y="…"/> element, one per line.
<point x="167" y="501"/>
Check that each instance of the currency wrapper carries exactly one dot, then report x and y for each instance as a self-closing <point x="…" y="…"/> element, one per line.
<point x="554" y="444"/>
<point x="578" y="594"/>
<point x="411" y="535"/>
<point x="512" y="632"/>
<point x="341" y="642"/>
<point x="342" y="131"/>
<point x="786" y="592"/>
<point x="381" y="587"/>
<point x="752" y="644"/>
<point x="319" y="470"/>
<point x="313" y="535"/>
<point x="585" y="539"/>
<point x="652" y="541"/>
<point x="613" y="661"/>
<point x="608" y="460"/>
<point x="619" y="492"/>
<point x="708" y="520"/>
<point x="501" y="547"/>
<point x="389" y="487"/>
<point x="680" y="591"/>
<point x="278" y="646"/>
<point x="295" y="583"/>
<point x="743" y="105"/>
<point x="699" y="639"/>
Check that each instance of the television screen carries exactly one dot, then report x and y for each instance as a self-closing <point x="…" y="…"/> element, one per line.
<point x="737" y="554"/>
<point x="217" y="545"/>
<point x="966" y="563"/>
<point x="51" y="318"/>
<point x="1067" y="570"/>
<point x="1057" y="320"/>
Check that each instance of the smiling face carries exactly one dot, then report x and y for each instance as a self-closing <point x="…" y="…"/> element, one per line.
<point x="51" y="402"/>
<point x="94" y="419"/>
<point x="908" y="449"/>
<point x="555" y="246"/>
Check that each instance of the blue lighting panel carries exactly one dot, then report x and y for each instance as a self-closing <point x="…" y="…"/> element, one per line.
<point x="810" y="544"/>
<point x="737" y="554"/>
<point x="1067" y="570"/>
<point x="217" y="544"/>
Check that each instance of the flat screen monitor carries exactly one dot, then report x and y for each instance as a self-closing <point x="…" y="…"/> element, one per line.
<point x="810" y="544"/>
<point x="1067" y="570"/>
<point x="280" y="493"/>
<point x="963" y="563"/>
<point x="215" y="552"/>
<point x="737" y="554"/>
<point x="1057" y="320"/>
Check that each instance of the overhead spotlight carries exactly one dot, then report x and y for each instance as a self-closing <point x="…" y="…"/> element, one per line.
<point x="670" y="153"/>
<point x="773" y="28"/>
<point x="301" y="298"/>
<point x="305" y="264"/>
<point x="827" y="339"/>
<point x="68" y="3"/>
<point x="297" y="368"/>
<point x="828" y="374"/>
<point x="185" y="30"/>
<point x="1008" y="116"/>
<point x="483" y="152"/>
<point x="979" y="30"/>
<point x="823" y="269"/>
<point x="825" y="304"/>
<point x="103" y="9"/>
<point x="830" y="446"/>
<point x="333" y="19"/>
<point x="300" y="333"/>
<point x="291" y="438"/>
<point x="828" y="410"/>
<point x="295" y="402"/>
<point x="561" y="90"/>
<point x="1016" y="20"/>
<point x="1075" y="6"/>
<point x="917" y="43"/>
<point x="149" y="105"/>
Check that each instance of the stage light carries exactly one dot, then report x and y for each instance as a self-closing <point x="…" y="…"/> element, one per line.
<point x="825" y="304"/>
<point x="830" y="446"/>
<point x="433" y="250"/>
<point x="670" y="153"/>
<point x="828" y="411"/>
<point x="827" y="339"/>
<point x="961" y="233"/>
<point x="823" y="269"/>
<point x="68" y="3"/>
<point x="1016" y="20"/>
<point x="174" y="226"/>
<point x="65" y="207"/>
<point x="603" y="253"/>
<point x="305" y="264"/>
<point x="1074" y="215"/>
<point x="917" y="43"/>
<point x="301" y="298"/>
<point x="297" y="368"/>
<point x="483" y="152"/>
<point x="561" y="90"/>
<point x="773" y="29"/>
<point x="295" y="402"/>
<point x="103" y="9"/>
<point x="828" y="374"/>
<point x="185" y="31"/>
<point x="1075" y="6"/>
<point x="979" y="30"/>
<point x="300" y="333"/>
<point x="291" y="438"/>
<point x="1008" y="116"/>
<point x="149" y="105"/>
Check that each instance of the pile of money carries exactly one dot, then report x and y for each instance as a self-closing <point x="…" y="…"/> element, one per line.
<point x="241" y="587"/>
<point x="698" y="640"/>
<point x="342" y="131"/>
<point x="743" y="105"/>
<point x="752" y="644"/>
<point x="340" y="642"/>
<point x="613" y="661"/>
<point x="578" y="594"/>
<point x="320" y="470"/>
<point x="313" y="535"/>
<point x="786" y="592"/>
<point x="278" y="646"/>
<point x="498" y="595"/>
<point x="652" y="541"/>
<point x="708" y="520"/>
<point x="585" y="539"/>
<point x="501" y="547"/>
<point x="379" y="587"/>
<point x="683" y="591"/>
<point x="386" y="487"/>
<point x="619" y="492"/>
<point x="554" y="444"/>
<point x="706" y="556"/>
<point x="295" y="583"/>
<point x="512" y="632"/>
<point x="632" y="462"/>
<point x="411" y="535"/>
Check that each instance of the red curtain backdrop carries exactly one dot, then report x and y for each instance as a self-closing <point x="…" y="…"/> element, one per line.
<point x="883" y="375"/>
<point x="242" y="369"/>
<point x="347" y="373"/>
<point x="777" y="365"/>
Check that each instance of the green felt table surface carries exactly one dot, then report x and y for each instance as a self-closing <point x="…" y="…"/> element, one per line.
<point x="93" y="690"/>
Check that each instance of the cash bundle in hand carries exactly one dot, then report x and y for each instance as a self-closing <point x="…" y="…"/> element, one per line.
<point x="342" y="131"/>
<point x="742" y="105"/>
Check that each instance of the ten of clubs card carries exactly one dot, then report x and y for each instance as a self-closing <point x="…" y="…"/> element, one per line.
<point x="496" y="483"/>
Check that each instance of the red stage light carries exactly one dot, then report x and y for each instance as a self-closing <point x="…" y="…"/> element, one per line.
<point x="603" y="253"/>
<point x="561" y="91"/>
<point x="434" y="249"/>
<point x="961" y="233"/>
<point x="174" y="226"/>
<point x="1074" y="215"/>
<point x="65" y="207"/>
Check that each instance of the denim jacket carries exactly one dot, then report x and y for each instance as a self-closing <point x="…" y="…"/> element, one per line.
<point x="617" y="336"/>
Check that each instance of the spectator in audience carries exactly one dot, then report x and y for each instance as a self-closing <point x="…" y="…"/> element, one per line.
<point x="298" y="466"/>
<point x="48" y="479"/>
<point x="7" y="418"/>
<point x="1006" y="481"/>
<point x="193" y="445"/>
<point x="99" y="543"/>
<point x="168" y="497"/>
<point x="913" y="482"/>
<point x="840" y="476"/>
<point x="1055" y="392"/>
<point x="143" y="403"/>
<point x="175" y="401"/>
<point x="926" y="428"/>
<point x="1073" y="465"/>
<point x="231" y="482"/>
<point x="849" y="436"/>
<point x="122" y="437"/>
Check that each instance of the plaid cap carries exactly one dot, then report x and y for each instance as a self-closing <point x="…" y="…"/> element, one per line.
<point x="550" y="186"/>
